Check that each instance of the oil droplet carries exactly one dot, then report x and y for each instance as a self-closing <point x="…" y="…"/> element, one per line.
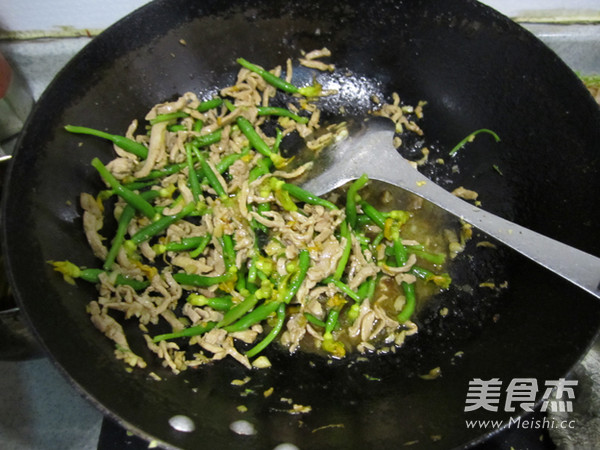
<point x="182" y="423"/>
<point x="242" y="427"/>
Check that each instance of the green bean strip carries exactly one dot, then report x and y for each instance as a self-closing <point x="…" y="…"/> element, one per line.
<point x="223" y="303"/>
<point x="238" y="310"/>
<point x="373" y="214"/>
<point x="159" y="173"/>
<point x="307" y="197"/>
<point x="207" y="139"/>
<point x="126" y="217"/>
<point x="351" y="214"/>
<point x="278" y="139"/>
<point x="344" y="288"/>
<point x="256" y="225"/>
<point x="332" y="320"/>
<point x="409" y="288"/>
<point x="210" y="104"/>
<point x="442" y="280"/>
<point x="399" y="252"/>
<point x="253" y="137"/>
<point x="135" y="200"/>
<point x="268" y="77"/>
<point x="282" y="112"/>
<point x="346" y="234"/>
<point x="201" y="246"/>
<point x="168" y="116"/>
<point x="176" y="127"/>
<point x="263" y="167"/>
<point x="187" y="243"/>
<point x="129" y="145"/>
<point x="470" y="137"/>
<point x="161" y="224"/>
<point x="259" y="314"/>
<point x="280" y="312"/>
<point x="409" y="306"/>
<point x="257" y="143"/>
<point x="228" y="160"/>
<point x="435" y="258"/>
<point x="228" y="251"/>
<point x="303" y="265"/>
<point x="211" y="176"/>
<point x="186" y="332"/>
<point x="191" y="279"/>
<point x="314" y="320"/>
<point x="91" y="275"/>
<point x="192" y="175"/>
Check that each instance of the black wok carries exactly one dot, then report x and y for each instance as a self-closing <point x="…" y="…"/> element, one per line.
<point x="475" y="68"/>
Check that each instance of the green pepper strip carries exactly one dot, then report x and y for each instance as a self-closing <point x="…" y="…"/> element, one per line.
<point x="168" y="116"/>
<point x="303" y="265"/>
<point x="186" y="332"/>
<point x="210" y="104"/>
<point x="351" y="214"/>
<point x="129" y="145"/>
<point x="223" y="303"/>
<point x="275" y="111"/>
<point x="271" y="335"/>
<point x="314" y="320"/>
<point x="211" y="176"/>
<point x="238" y="310"/>
<point x="307" y="197"/>
<point x="259" y="314"/>
<point x="192" y="175"/>
<point x="93" y="276"/>
<point x="127" y="216"/>
<point x="268" y="77"/>
<point x="344" y="288"/>
<point x="191" y="279"/>
<point x="161" y="224"/>
<point x="347" y="234"/>
<point x="135" y="200"/>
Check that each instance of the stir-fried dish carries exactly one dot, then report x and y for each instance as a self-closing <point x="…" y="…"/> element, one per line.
<point x="215" y="251"/>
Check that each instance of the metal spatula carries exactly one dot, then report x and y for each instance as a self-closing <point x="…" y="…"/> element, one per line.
<point x="370" y="151"/>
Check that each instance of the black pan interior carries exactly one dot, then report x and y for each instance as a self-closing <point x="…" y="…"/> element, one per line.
<point x="475" y="68"/>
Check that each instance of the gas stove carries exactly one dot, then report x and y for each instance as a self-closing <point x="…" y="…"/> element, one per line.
<point x="41" y="410"/>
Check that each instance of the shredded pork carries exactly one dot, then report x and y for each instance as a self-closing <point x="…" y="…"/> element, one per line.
<point x="252" y="210"/>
